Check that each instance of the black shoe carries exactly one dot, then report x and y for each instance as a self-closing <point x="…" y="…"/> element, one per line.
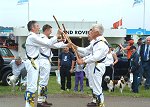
<point x="48" y="103"/>
<point x="146" y="88"/>
<point x="43" y="104"/>
<point x="91" y="104"/>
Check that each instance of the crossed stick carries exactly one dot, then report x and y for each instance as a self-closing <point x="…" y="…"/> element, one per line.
<point x="67" y="37"/>
<point x="58" y="26"/>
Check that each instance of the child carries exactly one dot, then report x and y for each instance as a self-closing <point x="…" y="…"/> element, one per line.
<point x="135" y="69"/>
<point x="79" y="76"/>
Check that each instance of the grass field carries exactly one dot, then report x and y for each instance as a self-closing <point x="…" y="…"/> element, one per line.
<point x="54" y="88"/>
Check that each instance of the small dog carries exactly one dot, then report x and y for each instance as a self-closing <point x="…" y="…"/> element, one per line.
<point x="130" y="81"/>
<point x="13" y="79"/>
<point x="23" y="84"/>
<point x="121" y="84"/>
<point x="110" y="83"/>
<point x="129" y="84"/>
<point x="143" y="81"/>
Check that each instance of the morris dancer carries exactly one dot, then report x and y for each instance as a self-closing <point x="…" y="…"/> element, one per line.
<point x="45" y="66"/>
<point x="33" y="43"/>
<point x="99" y="51"/>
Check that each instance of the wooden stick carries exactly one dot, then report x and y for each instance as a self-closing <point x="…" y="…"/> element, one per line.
<point x="69" y="40"/>
<point x="65" y="31"/>
<point x="58" y="26"/>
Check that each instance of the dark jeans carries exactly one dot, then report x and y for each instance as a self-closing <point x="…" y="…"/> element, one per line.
<point x="136" y="82"/>
<point x="108" y="72"/>
<point x="65" y="73"/>
<point x="79" y="76"/>
<point x="87" y="82"/>
<point x="146" y="71"/>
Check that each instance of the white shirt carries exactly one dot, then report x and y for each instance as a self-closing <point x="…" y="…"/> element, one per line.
<point x="34" y="42"/>
<point x="79" y="68"/>
<point x="17" y="69"/>
<point x="98" y="50"/>
<point x="86" y="51"/>
<point x="109" y="59"/>
<point x="138" y="50"/>
<point x="47" y="50"/>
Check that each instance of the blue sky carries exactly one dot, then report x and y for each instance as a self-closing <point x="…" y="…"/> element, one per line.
<point x="103" y="11"/>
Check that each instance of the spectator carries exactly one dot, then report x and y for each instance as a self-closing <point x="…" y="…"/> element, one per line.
<point x="19" y="72"/>
<point x="139" y="43"/>
<point x="135" y="69"/>
<point x="145" y="61"/>
<point x="79" y="76"/>
<point x="129" y="53"/>
<point x="66" y="65"/>
<point x="18" y="68"/>
<point x="110" y="61"/>
<point x="130" y="43"/>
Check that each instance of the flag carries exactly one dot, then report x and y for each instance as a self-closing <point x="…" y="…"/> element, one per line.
<point x="137" y="2"/>
<point x="117" y="24"/>
<point x="20" y="2"/>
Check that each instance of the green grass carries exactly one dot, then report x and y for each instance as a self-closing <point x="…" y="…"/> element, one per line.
<point x="54" y="88"/>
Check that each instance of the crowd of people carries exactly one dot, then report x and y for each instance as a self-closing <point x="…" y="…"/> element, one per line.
<point x="97" y="61"/>
<point x="139" y="61"/>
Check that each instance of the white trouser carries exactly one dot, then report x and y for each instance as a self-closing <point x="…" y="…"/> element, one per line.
<point x="97" y="78"/>
<point x="45" y="68"/>
<point x="89" y="72"/>
<point x="32" y="75"/>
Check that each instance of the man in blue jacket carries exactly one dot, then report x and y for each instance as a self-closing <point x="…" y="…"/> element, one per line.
<point x="135" y="69"/>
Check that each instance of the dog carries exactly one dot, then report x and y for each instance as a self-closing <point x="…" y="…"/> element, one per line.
<point x="143" y="81"/>
<point x="110" y="83"/>
<point x="129" y="84"/>
<point x="13" y="80"/>
<point x="121" y="84"/>
<point x="130" y="81"/>
<point x="22" y="82"/>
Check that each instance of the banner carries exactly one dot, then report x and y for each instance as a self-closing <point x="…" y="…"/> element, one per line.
<point x="137" y="2"/>
<point x="20" y="2"/>
<point x="117" y="24"/>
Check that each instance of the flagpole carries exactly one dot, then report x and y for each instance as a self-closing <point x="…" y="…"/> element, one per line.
<point x="144" y="18"/>
<point x="28" y="12"/>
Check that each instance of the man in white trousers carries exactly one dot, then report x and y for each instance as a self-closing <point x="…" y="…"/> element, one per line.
<point x="85" y="53"/>
<point x="99" y="51"/>
<point x="45" y="66"/>
<point x="33" y="44"/>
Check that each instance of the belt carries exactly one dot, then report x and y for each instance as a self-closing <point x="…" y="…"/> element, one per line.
<point x="45" y="55"/>
<point x="32" y="61"/>
<point x="101" y="60"/>
<point x="32" y="58"/>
